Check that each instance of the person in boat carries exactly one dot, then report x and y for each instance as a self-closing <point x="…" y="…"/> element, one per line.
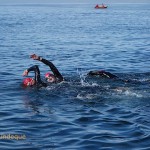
<point x="96" y="6"/>
<point x="100" y="6"/>
<point x="54" y="77"/>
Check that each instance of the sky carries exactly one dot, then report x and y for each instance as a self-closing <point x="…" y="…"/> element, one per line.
<point x="70" y="1"/>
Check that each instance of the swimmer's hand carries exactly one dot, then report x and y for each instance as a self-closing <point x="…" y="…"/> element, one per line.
<point x="35" y="57"/>
<point x="25" y="73"/>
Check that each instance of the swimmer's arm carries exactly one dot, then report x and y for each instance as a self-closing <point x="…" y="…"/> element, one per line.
<point x="53" y="68"/>
<point x="36" y="70"/>
<point x="50" y="64"/>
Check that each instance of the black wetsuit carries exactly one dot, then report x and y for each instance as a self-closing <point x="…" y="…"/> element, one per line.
<point x="102" y="74"/>
<point x="106" y="74"/>
<point x="55" y="71"/>
<point x="38" y="81"/>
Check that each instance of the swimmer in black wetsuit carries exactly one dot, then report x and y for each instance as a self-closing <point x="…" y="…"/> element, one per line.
<point x="106" y="74"/>
<point x="56" y="77"/>
<point x="102" y="73"/>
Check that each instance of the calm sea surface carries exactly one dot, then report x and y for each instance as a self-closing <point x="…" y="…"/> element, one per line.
<point x="86" y="113"/>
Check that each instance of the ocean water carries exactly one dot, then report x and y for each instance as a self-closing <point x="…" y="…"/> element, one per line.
<point x="87" y="113"/>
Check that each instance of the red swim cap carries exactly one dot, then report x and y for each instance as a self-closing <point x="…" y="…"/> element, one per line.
<point x="47" y="74"/>
<point x="28" y="81"/>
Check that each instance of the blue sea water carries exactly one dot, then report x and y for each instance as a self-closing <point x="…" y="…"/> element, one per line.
<point x="86" y="113"/>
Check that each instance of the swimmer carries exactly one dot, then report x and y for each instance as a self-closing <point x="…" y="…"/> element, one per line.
<point x="54" y="77"/>
<point x="36" y="81"/>
<point x="102" y="73"/>
<point x="106" y="74"/>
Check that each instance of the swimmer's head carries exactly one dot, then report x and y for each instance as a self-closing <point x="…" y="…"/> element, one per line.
<point x="93" y="73"/>
<point x="28" y="82"/>
<point x="50" y="77"/>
